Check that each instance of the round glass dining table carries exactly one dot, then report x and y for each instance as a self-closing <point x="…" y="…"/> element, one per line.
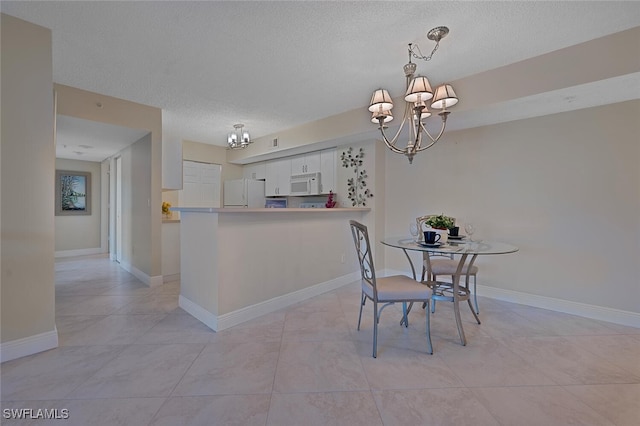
<point x="468" y="252"/>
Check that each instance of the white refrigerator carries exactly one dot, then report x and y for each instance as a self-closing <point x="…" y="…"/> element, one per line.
<point x="243" y="193"/>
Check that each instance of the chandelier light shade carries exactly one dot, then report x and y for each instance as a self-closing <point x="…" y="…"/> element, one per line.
<point x="380" y="101"/>
<point x="417" y="95"/>
<point x="240" y="138"/>
<point x="445" y="97"/>
<point x="387" y="116"/>
<point x="419" y="90"/>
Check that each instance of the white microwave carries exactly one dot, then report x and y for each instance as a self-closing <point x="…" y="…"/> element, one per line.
<point x="307" y="184"/>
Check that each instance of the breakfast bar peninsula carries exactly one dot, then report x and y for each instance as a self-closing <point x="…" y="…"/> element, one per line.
<point x="237" y="263"/>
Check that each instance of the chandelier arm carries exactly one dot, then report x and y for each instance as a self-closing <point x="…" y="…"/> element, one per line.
<point x="391" y="146"/>
<point x="433" y="140"/>
<point x="393" y="141"/>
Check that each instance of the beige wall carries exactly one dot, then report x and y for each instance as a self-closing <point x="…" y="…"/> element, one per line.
<point x="565" y="188"/>
<point x="82" y="104"/>
<point x="27" y="175"/>
<point x="82" y="231"/>
<point x="137" y="179"/>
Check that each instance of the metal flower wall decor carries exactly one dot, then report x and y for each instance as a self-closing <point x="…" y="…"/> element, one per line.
<point x="357" y="190"/>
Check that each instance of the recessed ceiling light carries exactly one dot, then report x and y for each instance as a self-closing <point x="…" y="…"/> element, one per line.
<point x="85" y="146"/>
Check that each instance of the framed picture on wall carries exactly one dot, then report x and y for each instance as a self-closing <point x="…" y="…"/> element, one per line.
<point x="73" y="193"/>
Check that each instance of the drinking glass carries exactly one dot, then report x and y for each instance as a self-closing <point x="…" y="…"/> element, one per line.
<point x="413" y="230"/>
<point x="470" y="229"/>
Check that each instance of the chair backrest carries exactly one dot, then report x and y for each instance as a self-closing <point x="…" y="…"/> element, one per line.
<point x="365" y="255"/>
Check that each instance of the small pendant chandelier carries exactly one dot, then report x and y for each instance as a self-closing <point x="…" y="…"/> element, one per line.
<point x="238" y="139"/>
<point x="418" y="92"/>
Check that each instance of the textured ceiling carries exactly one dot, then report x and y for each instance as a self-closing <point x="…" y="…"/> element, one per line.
<point x="276" y="65"/>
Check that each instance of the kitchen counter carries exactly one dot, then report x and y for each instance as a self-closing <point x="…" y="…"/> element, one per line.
<point x="263" y="210"/>
<point x="239" y="266"/>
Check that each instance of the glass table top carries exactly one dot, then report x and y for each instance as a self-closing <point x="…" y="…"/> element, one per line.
<point x="466" y="246"/>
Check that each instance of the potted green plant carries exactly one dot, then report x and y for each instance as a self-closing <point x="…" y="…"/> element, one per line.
<point x="441" y="222"/>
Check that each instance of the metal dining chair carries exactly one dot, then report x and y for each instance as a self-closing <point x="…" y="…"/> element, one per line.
<point x="386" y="290"/>
<point x="444" y="264"/>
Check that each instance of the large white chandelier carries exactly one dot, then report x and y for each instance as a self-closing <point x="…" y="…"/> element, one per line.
<point x="418" y="93"/>
<point x="239" y="138"/>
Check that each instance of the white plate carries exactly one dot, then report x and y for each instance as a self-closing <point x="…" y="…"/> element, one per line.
<point x="457" y="237"/>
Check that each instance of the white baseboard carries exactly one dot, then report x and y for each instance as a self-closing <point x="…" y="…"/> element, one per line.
<point x="28" y="345"/>
<point x="221" y="322"/>
<point x="155" y="281"/>
<point x="147" y="279"/>
<point x="602" y="313"/>
<point x="254" y="311"/>
<point x="199" y="313"/>
<point x="170" y="278"/>
<point x="78" y="252"/>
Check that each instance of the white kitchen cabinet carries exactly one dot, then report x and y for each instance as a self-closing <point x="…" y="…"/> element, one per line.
<point x="201" y="184"/>
<point x="305" y="163"/>
<point x="277" y="177"/>
<point x="255" y="171"/>
<point x="328" y="160"/>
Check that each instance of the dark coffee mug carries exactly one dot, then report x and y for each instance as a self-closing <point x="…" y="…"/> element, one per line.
<point x="454" y="231"/>
<point x="431" y="237"/>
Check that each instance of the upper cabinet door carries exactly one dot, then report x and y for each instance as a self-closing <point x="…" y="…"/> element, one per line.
<point x="278" y="176"/>
<point x="271" y="181"/>
<point x="312" y="161"/>
<point x="305" y="163"/>
<point x="284" y="176"/>
<point x="255" y="171"/>
<point x="297" y="164"/>
<point x="328" y="170"/>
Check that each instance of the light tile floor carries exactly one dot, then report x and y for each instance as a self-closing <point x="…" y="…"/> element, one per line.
<point x="129" y="355"/>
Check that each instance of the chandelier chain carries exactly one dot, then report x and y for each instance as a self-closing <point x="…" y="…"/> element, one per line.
<point x="412" y="49"/>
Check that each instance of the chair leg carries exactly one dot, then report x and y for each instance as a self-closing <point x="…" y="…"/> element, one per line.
<point x="405" y="315"/>
<point x="375" y="329"/>
<point x="364" y="299"/>
<point x="429" y="345"/>
<point x="424" y="271"/>
<point x="433" y="302"/>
